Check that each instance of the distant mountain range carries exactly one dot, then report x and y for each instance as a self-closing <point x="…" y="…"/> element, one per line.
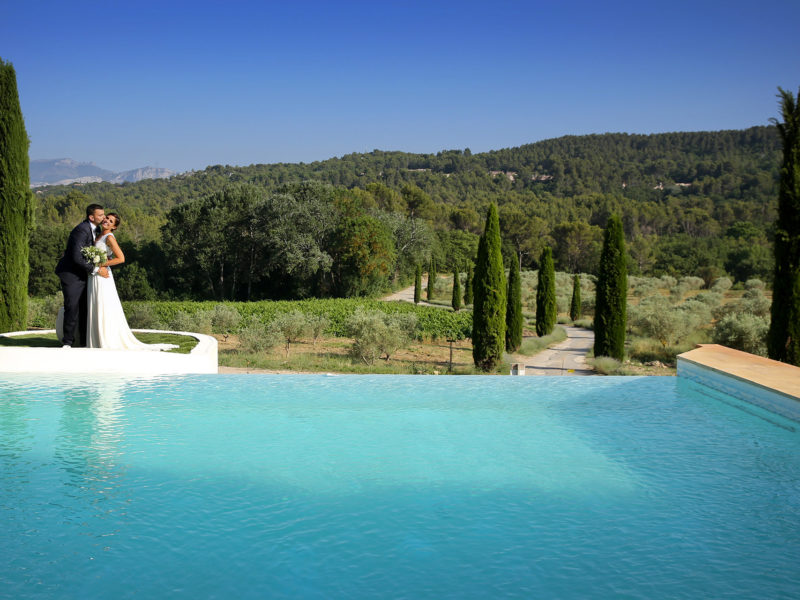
<point x="63" y="171"/>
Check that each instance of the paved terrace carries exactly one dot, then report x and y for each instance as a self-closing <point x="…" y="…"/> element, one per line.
<point x="202" y="358"/>
<point x="757" y="370"/>
<point x="770" y="384"/>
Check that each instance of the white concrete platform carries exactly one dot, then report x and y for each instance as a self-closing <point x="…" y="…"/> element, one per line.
<point x="202" y="358"/>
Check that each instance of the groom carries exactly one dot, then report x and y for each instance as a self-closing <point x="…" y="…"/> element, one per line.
<point x="74" y="270"/>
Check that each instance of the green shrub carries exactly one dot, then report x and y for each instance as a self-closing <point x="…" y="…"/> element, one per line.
<point x="648" y="350"/>
<point x="698" y="313"/>
<point x="257" y="337"/>
<point x="143" y="316"/>
<point x="668" y="281"/>
<point x="317" y="324"/>
<point x="35" y="316"/>
<point x="692" y="283"/>
<point x="752" y="302"/>
<point x="605" y="365"/>
<point x="42" y="312"/>
<point x="225" y="319"/>
<point x="586" y="323"/>
<point x="588" y="304"/>
<point x="198" y="322"/>
<point x="677" y="292"/>
<point x="291" y="327"/>
<point x="644" y="288"/>
<point x="533" y="345"/>
<point x="710" y="299"/>
<point x="656" y="318"/>
<point x="755" y="284"/>
<point x="562" y="303"/>
<point x="721" y="285"/>
<point x="744" y="332"/>
<point x="377" y="334"/>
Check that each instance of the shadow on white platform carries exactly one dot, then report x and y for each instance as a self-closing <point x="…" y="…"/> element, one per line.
<point x="16" y="359"/>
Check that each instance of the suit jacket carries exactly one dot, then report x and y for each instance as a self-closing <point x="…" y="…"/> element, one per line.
<point x="73" y="261"/>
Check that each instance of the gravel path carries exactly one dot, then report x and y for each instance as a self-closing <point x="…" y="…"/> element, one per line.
<point x="407" y="294"/>
<point x="565" y="358"/>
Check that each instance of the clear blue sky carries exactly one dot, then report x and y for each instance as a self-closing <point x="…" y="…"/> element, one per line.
<point x="183" y="85"/>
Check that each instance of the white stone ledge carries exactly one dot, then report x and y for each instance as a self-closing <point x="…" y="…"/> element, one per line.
<point x="202" y="358"/>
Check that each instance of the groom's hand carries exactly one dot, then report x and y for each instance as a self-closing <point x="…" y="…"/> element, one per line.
<point x="103" y="272"/>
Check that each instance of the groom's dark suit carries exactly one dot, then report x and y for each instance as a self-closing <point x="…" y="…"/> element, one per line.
<point x="74" y="270"/>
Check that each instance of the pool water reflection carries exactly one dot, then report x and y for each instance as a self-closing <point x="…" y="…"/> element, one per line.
<point x="423" y="487"/>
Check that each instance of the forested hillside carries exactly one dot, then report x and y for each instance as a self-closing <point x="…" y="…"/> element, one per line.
<point x="692" y="204"/>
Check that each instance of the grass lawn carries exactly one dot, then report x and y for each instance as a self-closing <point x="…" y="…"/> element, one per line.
<point x="48" y="340"/>
<point x="331" y="355"/>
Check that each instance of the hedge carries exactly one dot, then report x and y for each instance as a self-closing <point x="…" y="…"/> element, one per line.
<point x="434" y="323"/>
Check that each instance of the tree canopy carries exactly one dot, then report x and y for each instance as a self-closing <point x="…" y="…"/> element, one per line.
<point x="16" y="212"/>
<point x="688" y="201"/>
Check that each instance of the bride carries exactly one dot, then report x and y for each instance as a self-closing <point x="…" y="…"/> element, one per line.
<point x="106" y="326"/>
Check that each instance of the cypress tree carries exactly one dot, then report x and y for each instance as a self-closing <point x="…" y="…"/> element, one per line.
<point x="546" y="307"/>
<point x="456" y="302"/>
<point x="16" y="205"/>
<point x="431" y="279"/>
<point x="514" y="308"/>
<point x="468" y="285"/>
<point x="611" y="294"/>
<point x="417" y="284"/>
<point x="575" y="306"/>
<point x="783" y="339"/>
<point x="489" y="302"/>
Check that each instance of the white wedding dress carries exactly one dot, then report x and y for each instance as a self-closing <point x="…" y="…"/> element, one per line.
<point x="106" y="326"/>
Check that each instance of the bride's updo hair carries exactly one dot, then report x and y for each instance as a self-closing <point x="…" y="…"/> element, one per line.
<point x="117" y="219"/>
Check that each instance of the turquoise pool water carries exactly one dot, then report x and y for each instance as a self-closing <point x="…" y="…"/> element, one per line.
<point x="393" y="487"/>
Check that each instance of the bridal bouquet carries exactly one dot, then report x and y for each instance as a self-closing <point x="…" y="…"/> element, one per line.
<point x="94" y="255"/>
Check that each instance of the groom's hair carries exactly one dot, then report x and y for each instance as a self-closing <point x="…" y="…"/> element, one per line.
<point x="91" y="208"/>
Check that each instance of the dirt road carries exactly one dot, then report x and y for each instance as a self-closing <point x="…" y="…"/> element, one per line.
<point x="565" y="358"/>
<point x="407" y="294"/>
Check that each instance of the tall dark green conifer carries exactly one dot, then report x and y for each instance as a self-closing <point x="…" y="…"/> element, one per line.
<point x="611" y="294"/>
<point x="468" y="284"/>
<point x="431" y="279"/>
<point x="575" y="308"/>
<point x="546" y="306"/>
<point x="16" y="205"/>
<point x="783" y="339"/>
<point x="418" y="285"/>
<point x="514" y="308"/>
<point x="456" y="301"/>
<point x="489" y="302"/>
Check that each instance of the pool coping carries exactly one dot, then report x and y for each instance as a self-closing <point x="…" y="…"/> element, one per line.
<point x="203" y="358"/>
<point x="768" y="383"/>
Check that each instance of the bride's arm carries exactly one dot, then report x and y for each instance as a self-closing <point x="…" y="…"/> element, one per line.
<point x="119" y="257"/>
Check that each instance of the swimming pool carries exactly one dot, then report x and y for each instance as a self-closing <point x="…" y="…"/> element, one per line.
<point x="393" y="487"/>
